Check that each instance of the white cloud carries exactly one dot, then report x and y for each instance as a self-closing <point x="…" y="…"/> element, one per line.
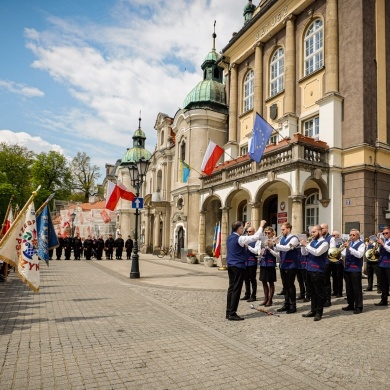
<point x="136" y="61"/>
<point x="36" y="144"/>
<point x="20" y="89"/>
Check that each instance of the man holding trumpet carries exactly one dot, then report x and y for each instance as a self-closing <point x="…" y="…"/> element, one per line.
<point x="384" y="265"/>
<point x="316" y="252"/>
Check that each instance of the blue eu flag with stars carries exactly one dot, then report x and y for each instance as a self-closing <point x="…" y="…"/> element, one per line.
<point x="262" y="130"/>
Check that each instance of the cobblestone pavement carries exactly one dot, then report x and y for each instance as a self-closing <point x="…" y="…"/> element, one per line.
<point x="91" y="327"/>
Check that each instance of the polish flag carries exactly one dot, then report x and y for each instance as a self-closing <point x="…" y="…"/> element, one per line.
<point x="211" y="157"/>
<point x="8" y="222"/>
<point x="115" y="192"/>
<point x="217" y="249"/>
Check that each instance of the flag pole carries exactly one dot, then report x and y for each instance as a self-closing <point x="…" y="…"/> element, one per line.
<point x="43" y="205"/>
<point x="21" y="212"/>
<point x="283" y="138"/>
<point x="6" y="214"/>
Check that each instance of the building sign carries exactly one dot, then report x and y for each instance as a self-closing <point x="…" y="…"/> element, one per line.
<point x="282" y="218"/>
<point x="271" y="23"/>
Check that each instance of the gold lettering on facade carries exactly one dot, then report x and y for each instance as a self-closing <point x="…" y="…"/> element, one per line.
<point x="272" y="22"/>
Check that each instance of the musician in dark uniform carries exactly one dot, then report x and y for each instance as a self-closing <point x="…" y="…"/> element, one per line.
<point x="236" y="261"/>
<point x="88" y="245"/>
<point x="337" y="269"/>
<point x="372" y="268"/>
<point x="384" y="266"/>
<point x="304" y="291"/>
<point x="317" y="253"/>
<point x="129" y="247"/>
<point x="119" y="244"/>
<point x="288" y="251"/>
<point x="60" y="246"/>
<point x="77" y="247"/>
<point x="109" y="245"/>
<point x="68" y="244"/>
<point x="353" y="254"/>
<point x="99" y="247"/>
<point x="327" y="271"/>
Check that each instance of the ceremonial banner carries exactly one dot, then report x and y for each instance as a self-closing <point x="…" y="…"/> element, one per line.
<point x="262" y="131"/>
<point x="47" y="238"/>
<point x="217" y="245"/>
<point x="19" y="246"/>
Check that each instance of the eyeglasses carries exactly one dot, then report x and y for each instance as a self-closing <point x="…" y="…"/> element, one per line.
<point x="251" y="231"/>
<point x="268" y="232"/>
<point x="385" y="233"/>
<point x="352" y="235"/>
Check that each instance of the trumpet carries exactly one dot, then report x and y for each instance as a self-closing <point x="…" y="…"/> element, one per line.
<point x="277" y="239"/>
<point x="299" y="245"/>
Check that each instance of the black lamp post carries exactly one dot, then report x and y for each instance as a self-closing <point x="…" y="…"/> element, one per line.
<point x="73" y="216"/>
<point x="137" y="172"/>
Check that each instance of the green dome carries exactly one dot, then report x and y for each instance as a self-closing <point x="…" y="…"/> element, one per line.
<point x="139" y="133"/>
<point x="212" y="56"/>
<point x="135" y="154"/>
<point x="207" y="91"/>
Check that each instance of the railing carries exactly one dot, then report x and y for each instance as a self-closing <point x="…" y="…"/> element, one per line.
<point x="241" y="170"/>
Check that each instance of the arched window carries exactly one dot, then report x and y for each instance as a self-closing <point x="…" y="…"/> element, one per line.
<point x="249" y="85"/>
<point x="314" y="47"/>
<point x="242" y="211"/>
<point x="311" y="210"/>
<point x="277" y="72"/>
<point x="183" y="151"/>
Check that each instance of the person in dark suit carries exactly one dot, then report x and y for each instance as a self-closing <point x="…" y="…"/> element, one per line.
<point x="109" y="245"/>
<point x="129" y="247"/>
<point x="68" y="244"/>
<point x="60" y="246"/>
<point x="119" y="244"/>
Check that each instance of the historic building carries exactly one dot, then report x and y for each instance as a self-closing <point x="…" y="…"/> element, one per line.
<point x="319" y="73"/>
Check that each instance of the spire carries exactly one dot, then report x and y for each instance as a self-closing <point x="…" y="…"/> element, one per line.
<point x="249" y="9"/>
<point x="214" y="36"/>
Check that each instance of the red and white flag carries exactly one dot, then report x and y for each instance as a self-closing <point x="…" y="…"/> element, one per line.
<point x="115" y="192"/>
<point x="8" y="222"/>
<point x="211" y="157"/>
<point x="217" y="249"/>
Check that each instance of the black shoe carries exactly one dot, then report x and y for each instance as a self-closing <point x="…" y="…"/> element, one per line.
<point x="310" y="314"/>
<point x="300" y="296"/>
<point x="292" y="310"/>
<point x="283" y="308"/>
<point x="251" y="299"/>
<point x="235" y="317"/>
<point x="357" y="311"/>
<point x="281" y="293"/>
<point x="381" y="303"/>
<point x="367" y="289"/>
<point x="306" y="300"/>
<point x="347" y="308"/>
<point x="318" y="317"/>
<point x="327" y="304"/>
<point x="244" y="298"/>
<point x="339" y="296"/>
<point x="379" y="291"/>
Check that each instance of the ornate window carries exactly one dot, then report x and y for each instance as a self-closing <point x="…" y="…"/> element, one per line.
<point x="183" y="151"/>
<point x="242" y="211"/>
<point x="314" y="47"/>
<point x="244" y="150"/>
<point x="311" y="210"/>
<point x="277" y="72"/>
<point x="249" y="85"/>
<point x="311" y="127"/>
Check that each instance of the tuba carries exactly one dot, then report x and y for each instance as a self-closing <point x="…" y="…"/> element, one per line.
<point x="334" y="254"/>
<point x="372" y="254"/>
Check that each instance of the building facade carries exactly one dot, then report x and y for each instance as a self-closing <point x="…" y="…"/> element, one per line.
<point x="319" y="73"/>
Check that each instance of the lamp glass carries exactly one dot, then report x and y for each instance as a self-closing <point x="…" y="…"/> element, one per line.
<point x="133" y="172"/>
<point x="142" y="166"/>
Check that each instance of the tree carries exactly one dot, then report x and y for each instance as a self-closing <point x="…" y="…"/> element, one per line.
<point x="15" y="174"/>
<point x="84" y="175"/>
<point x="51" y="171"/>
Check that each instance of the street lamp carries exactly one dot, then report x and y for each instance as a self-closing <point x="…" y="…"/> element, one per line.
<point x="73" y="216"/>
<point x="137" y="172"/>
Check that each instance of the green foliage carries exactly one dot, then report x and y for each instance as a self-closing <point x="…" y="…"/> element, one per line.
<point x="51" y="171"/>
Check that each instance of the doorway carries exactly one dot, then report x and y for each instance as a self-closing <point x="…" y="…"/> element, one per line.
<point x="180" y="241"/>
<point x="270" y="212"/>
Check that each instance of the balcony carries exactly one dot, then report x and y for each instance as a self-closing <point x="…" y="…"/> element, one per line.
<point x="299" y="152"/>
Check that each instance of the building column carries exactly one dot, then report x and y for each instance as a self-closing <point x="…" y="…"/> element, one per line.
<point x="289" y="70"/>
<point x="380" y="44"/>
<point x="331" y="47"/>
<point x="233" y="91"/>
<point x="224" y="232"/>
<point x="255" y="215"/>
<point x="202" y="233"/>
<point x="258" y="86"/>
<point x="297" y="213"/>
<point x="156" y="230"/>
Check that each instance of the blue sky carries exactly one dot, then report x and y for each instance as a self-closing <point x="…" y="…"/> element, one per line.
<point x="74" y="74"/>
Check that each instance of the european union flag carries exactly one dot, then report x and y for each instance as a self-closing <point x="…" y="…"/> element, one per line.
<point x="47" y="237"/>
<point x="262" y="130"/>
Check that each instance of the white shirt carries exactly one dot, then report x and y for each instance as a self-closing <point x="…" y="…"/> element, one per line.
<point x="285" y="248"/>
<point x="305" y="250"/>
<point x="359" y="253"/>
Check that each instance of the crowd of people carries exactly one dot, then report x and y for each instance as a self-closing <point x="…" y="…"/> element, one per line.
<point x="92" y="247"/>
<point x="320" y="262"/>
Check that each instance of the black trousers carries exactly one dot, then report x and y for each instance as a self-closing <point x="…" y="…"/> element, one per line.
<point x="288" y="282"/>
<point x="384" y="277"/>
<point x="337" y="272"/>
<point x="316" y="284"/>
<point x="58" y="252"/>
<point x="68" y="252"/>
<point x="301" y="277"/>
<point x="236" y="279"/>
<point x="372" y="268"/>
<point x="118" y="253"/>
<point x="328" y="287"/>
<point x="250" y="279"/>
<point x="353" y="287"/>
